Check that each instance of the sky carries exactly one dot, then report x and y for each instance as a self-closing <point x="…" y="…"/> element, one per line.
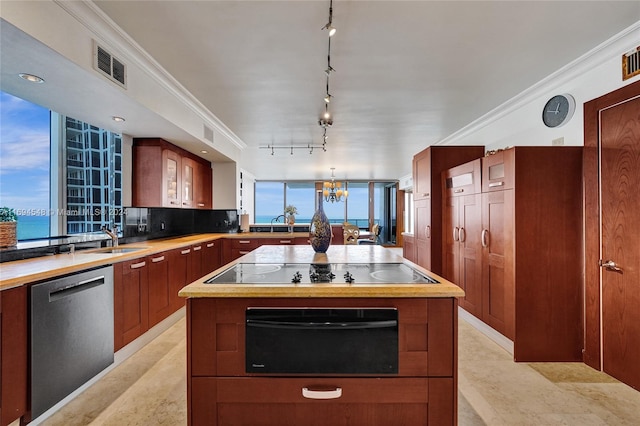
<point x="24" y="154"/>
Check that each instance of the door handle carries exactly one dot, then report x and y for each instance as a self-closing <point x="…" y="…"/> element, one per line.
<point x="610" y="265"/>
<point x="456" y="233"/>
<point x="483" y="238"/>
<point x="427" y="231"/>
<point x="462" y="235"/>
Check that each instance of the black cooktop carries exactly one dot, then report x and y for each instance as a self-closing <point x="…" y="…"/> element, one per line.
<point x="300" y="273"/>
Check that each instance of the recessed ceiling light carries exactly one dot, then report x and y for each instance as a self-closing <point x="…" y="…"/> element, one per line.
<point x="118" y="119"/>
<point x="31" y="77"/>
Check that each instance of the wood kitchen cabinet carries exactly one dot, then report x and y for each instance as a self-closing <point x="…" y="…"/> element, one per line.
<point x="427" y="195"/>
<point x="180" y="266"/>
<point x="521" y="268"/>
<point x="423" y="391"/>
<point x="13" y="354"/>
<point x="408" y="247"/>
<point x="131" y="301"/>
<point x="211" y="257"/>
<point x="461" y="227"/>
<point x="165" y="175"/>
<point x="161" y="303"/>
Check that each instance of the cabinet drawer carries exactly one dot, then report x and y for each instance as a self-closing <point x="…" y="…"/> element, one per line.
<point x="352" y="401"/>
<point x="245" y="243"/>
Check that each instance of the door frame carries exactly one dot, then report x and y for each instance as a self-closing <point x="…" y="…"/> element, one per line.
<point x="592" y="216"/>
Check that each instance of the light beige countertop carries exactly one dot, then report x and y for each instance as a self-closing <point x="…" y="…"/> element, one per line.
<point x="336" y="254"/>
<point x="21" y="272"/>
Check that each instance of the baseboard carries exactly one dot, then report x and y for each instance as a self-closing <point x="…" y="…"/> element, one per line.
<point x="483" y="328"/>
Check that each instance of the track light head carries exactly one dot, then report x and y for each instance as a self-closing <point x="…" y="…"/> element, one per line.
<point x="327" y="98"/>
<point x="331" y="28"/>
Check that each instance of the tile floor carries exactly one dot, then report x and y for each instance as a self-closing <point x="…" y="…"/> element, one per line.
<point x="149" y="388"/>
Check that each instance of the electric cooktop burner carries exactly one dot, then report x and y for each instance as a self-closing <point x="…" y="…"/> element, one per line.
<point x="299" y="273"/>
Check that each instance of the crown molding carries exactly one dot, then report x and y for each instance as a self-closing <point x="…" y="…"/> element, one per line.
<point x="613" y="47"/>
<point x="104" y="28"/>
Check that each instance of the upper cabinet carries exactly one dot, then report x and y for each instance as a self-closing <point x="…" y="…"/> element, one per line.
<point x="165" y="175"/>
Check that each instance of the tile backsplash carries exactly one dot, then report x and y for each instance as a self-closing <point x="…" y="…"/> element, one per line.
<point x="147" y="223"/>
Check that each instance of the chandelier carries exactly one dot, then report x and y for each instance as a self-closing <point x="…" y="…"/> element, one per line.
<point x="333" y="191"/>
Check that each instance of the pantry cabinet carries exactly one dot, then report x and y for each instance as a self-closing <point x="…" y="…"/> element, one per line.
<point x="160" y="297"/>
<point x="461" y="224"/>
<point x="519" y="256"/>
<point x="165" y="175"/>
<point x="428" y="166"/>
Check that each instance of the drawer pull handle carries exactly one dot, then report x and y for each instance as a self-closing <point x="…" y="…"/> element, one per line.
<point x="457" y="191"/>
<point x="494" y="184"/>
<point x="138" y="265"/>
<point x="200" y="204"/>
<point x="285" y="241"/>
<point x="425" y="194"/>
<point x="244" y="242"/>
<point x="157" y="259"/>
<point x="209" y="245"/>
<point x="196" y="248"/>
<point x="322" y="394"/>
<point x="244" y="252"/>
<point x="187" y="251"/>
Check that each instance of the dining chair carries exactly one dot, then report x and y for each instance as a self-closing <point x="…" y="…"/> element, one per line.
<point x="350" y="233"/>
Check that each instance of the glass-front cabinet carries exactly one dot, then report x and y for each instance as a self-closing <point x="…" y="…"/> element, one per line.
<point x="171" y="178"/>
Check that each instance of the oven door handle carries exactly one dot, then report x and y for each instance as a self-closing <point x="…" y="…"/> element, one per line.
<point x="315" y="325"/>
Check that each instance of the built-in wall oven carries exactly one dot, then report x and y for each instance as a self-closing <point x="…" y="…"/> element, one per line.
<point x="322" y="340"/>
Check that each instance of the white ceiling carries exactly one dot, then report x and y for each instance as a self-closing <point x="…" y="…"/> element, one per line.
<point x="408" y="73"/>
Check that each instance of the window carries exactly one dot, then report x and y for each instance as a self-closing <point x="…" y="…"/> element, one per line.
<point x="358" y="204"/>
<point x="62" y="176"/>
<point x="272" y="197"/>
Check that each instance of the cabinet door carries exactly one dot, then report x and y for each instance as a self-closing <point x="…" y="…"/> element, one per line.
<point x="422" y="233"/>
<point x="179" y="274"/>
<point x="451" y="240"/>
<point x="422" y="175"/>
<point x="470" y="252"/>
<point x="195" y="272"/>
<point x="408" y="248"/>
<point x="203" y="186"/>
<point x="188" y="170"/>
<point x="14" y="355"/>
<point x="131" y="301"/>
<point x="171" y="179"/>
<point x="211" y="257"/>
<point x="498" y="171"/>
<point x="498" y="274"/>
<point x="160" y="297"/>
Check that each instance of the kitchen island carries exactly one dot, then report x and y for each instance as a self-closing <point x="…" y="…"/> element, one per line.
<point x="403" y="371"/>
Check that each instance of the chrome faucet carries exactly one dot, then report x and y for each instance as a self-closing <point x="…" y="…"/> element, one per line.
<point x="113" y="234"/>
<point x="277" y="219"/>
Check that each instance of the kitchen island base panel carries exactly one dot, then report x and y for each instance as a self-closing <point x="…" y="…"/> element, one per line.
<point x="220" y="392"/>
<point x="362" y="401"/>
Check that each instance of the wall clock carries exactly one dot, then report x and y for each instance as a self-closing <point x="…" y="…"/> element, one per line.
<point x="558" y="110"/>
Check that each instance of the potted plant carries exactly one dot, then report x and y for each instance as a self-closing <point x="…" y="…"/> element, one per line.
<point x="8" y="225"/>
<point x="291" y="211"/>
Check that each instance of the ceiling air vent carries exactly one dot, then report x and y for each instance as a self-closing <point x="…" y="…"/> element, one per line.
<point x="106" y="63"/>
<point x="208" y="133"/>
<point x="631" y="63"/>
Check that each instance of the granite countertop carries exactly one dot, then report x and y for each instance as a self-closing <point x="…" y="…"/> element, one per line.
<point x="21" y="272"/>
<point x="335" y="254"/>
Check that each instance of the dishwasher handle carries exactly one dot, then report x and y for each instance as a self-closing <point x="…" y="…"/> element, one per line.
<point x="315" y="325"/>
<point x="75" y="288"/>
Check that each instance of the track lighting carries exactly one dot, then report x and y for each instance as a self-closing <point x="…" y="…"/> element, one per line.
<point x="329" y="70"/>
<point x="329" y="26"/>
<point x="327" y="98"/>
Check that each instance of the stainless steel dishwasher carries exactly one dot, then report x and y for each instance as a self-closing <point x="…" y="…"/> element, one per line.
<point x="71" y="334"/>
